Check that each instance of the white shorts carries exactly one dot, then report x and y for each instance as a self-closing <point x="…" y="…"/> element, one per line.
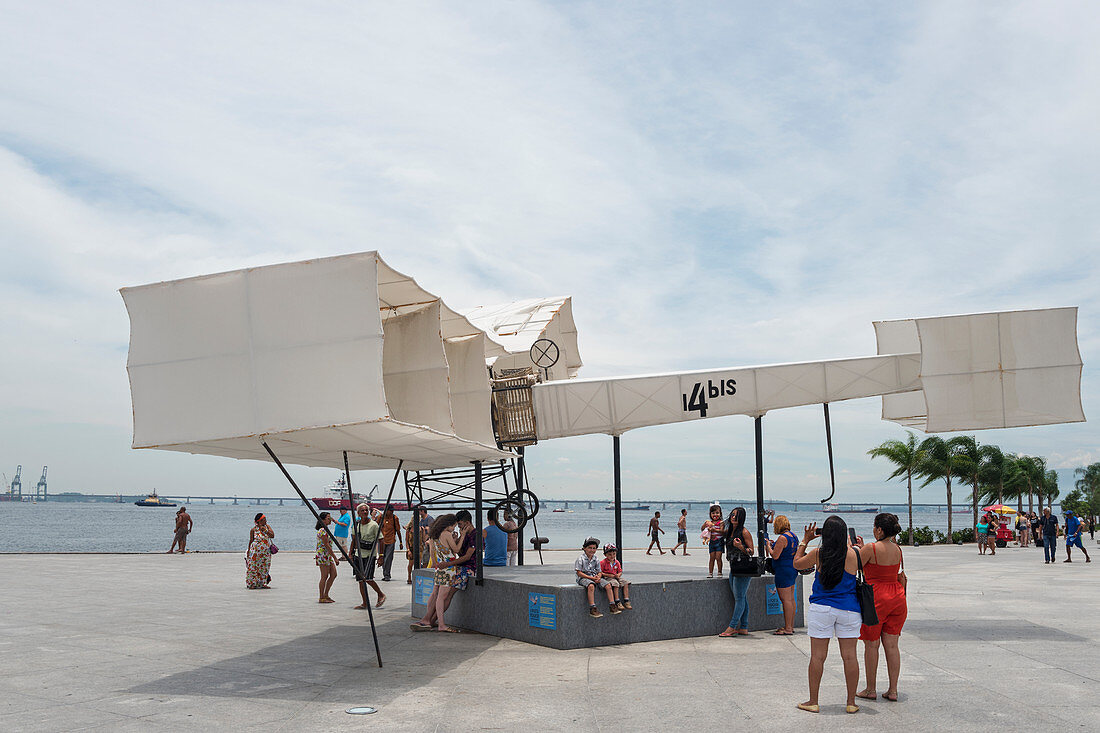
<point x="512" y="556"/>
<point x="822" y="622"/>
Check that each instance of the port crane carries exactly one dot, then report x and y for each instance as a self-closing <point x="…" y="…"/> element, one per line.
<point x="40" y="487"/>
<point x="16" y="488"/>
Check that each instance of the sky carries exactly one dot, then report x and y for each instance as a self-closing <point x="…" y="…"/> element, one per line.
<point x="714" y="184"/>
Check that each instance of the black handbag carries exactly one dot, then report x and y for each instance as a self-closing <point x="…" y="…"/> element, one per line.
<point x="742" y="564"/>
<point x="865" y="594"/>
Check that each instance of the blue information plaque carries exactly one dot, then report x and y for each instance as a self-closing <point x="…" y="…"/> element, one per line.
<point x="542" y="611"/>
<point x="422" y="589"/>
<point x="774" y="604"/>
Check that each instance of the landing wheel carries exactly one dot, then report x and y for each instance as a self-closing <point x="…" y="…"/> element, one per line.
<point x="528" y="499"/>
<point x="517" y="509"/>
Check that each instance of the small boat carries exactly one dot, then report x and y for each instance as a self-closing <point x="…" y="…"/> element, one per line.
<point x="641" y="507"/>
<point x="837" y="509"/>
<point x="154" y="500"/>
<point x="557" y="511"/>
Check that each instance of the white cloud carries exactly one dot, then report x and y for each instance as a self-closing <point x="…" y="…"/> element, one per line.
<point x="714" y="185"/>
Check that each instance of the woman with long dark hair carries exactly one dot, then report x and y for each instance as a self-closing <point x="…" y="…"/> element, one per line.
<point x="884" y="568"/>
<point x="325" y="558"/>
<point x="739" y="545"/>
<point x="833" y="608"/>
<point x="444" y="552"/>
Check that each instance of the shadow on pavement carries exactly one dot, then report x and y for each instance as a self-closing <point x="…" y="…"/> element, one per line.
<point x="329" y="666"/>
<point x="985" y="630"/>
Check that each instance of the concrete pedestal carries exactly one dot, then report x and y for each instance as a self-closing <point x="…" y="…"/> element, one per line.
<point x="544" y="605"/>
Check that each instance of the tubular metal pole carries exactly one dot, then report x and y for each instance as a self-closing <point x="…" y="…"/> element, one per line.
<point x="618" y="479"/>
<point x="359" y="572"/>
<point x="520" y="485"/>
<point x="335" y="544"/>
<point x="760" y="483"/>
<point x="829" y="446"/>
<point x="479" y="575"/>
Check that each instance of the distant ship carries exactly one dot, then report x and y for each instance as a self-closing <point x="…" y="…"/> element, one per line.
<point x="641" y="507"/>
<point x="154" y="500"/>
<point x="837" y="509"/>
<point x="336" y="497"/>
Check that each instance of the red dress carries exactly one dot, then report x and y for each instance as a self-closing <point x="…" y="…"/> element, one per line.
<point x="889" y="599"/>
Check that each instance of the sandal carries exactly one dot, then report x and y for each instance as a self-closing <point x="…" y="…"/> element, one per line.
<point x="420" y="627"/>
<point x="886" y="696"/>
<point x="379" y="604"/>
<point x="449" y="630"/>
<point x="724" y="635"/>
<point x="808" y="707"/>
<point x="867" y="695"/>
<point x="850" y="709"/>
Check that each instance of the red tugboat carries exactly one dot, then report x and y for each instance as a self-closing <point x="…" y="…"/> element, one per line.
<point x="336" y="497"/>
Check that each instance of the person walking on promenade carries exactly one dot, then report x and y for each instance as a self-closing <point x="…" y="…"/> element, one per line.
<point x="782" y="551"/>
<point x="834" y="607"/>
<point x="1073" y="537"/>
<point x="513" y="537"/>
<point x="716" y="545"/>
<point x="391" y="535"/>
<point x="443" y="547"/>
<point x="884" y="568"/>
<point x="738" y="541"/>
<point x="341" y="529"/>
<point x="655" y="533"/>
<point x="364" y="545"/>
<point x="1036" y="530"/>
<point x="325" y="558"/>
<point x="682" y="532"/>
<point x="1049" y="524"/>
<point x="1092" y="527"/>
<point x="257" y="561"/>
<point x="1022" y="529"/>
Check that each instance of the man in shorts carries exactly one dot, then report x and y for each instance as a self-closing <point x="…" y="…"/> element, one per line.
<point x="682" y="532"/>
<point x="655" y="533"/>
<point x="364" y="544"/>
<point x="1073" y="537"/>
<point x="341" y="530"/>
<point x="183" y="528"/>
<point x="587" y="569"/>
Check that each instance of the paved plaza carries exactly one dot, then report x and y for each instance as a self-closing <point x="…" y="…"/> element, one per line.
<point x="157" y="642"/>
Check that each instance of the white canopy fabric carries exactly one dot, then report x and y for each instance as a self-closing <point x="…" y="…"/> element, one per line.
<point x="316" y="357"/>
<point x="970" y="372"/>
<point x="615" y="405"/>
<point x="989" y="370"/>
<point x="516" y="326"/>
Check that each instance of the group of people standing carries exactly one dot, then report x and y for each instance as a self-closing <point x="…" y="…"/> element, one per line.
<point x="834" y="606"/>
<point x="1043" y="531"/>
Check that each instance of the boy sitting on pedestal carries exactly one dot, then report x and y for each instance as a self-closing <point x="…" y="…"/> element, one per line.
<point x="587" y="568"/>
<point x="612" y="571"/>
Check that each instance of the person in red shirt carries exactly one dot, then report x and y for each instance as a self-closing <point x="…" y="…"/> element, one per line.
<point x="611" y="570"/>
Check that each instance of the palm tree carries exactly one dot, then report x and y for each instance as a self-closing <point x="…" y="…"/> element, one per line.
<point x="1049" y="488"/>
<point x="1089" y="484"/>
<point x="994" y="469"/>
<point x="908" y="457"/>
<point x="968" y="462"/>
<point x="1034" y="469"/>
<point x="1015" y="479"/>
<point x="940" y="463"/>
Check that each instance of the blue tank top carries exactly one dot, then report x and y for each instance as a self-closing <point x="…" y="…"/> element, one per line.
<point x="786" y="558"/>
<point x="842" y="596"/>
<point x="496" y="546"/>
